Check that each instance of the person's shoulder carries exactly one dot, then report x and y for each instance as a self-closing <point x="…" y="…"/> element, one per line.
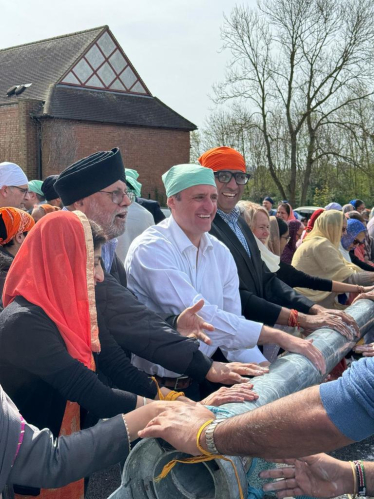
<point x="156" y="236"/>
<point x="21" y="313"/>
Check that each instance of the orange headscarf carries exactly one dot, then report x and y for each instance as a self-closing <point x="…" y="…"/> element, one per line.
<point x="48" y="208"/>
<point x="54" y="269"/>
<point x="16" y="221"/>
<point x="223" y="158"/>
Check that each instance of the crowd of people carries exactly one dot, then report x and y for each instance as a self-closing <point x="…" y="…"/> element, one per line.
<point x="112" y="312"/>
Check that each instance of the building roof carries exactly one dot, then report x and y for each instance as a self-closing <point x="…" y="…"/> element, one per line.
<point x="84" y="76"/>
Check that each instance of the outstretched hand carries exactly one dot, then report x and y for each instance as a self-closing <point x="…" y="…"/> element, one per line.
<point x="316" y="476"/>
<point x="237" y="393"/>
<point x="233" y="372"/>
<point x="190" y="324"/>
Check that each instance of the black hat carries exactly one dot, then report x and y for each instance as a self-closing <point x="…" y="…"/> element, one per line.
<point x="90" y="175"/>
<point x="268" y="198"/>
<point x="49" y="189"/>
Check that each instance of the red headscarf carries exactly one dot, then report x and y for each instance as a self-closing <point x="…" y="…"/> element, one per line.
<point x="312" y="220"/>
<point x="223" y="158"/>
<point x="54" y="269"/>
<point x="16" y="221"/>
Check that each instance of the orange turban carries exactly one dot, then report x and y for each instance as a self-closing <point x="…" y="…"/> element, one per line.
<point x="16" y="221"/>
<point x="223" y="158"/>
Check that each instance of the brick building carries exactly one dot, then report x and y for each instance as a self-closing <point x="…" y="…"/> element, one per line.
<point x="64" y="98"/>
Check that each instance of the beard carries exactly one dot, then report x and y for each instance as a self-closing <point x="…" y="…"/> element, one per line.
<point x="112" y="224"/>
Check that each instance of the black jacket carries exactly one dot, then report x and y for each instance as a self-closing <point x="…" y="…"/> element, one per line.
<point x="153" y="207"/>
<point x="140" y="331"/>
<point x="40" y="375"/>
<point x="262" y="293"/>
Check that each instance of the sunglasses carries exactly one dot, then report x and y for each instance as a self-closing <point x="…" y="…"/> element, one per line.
<point x="356" y="242"/>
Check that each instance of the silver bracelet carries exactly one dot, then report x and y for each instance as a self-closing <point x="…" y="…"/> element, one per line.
<point x="209" y="436"/>
<point x="144" y="401"/>
<point x="128" y="433"/>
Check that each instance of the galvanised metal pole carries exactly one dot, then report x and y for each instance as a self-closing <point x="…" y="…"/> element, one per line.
<point x="215" y="480"/>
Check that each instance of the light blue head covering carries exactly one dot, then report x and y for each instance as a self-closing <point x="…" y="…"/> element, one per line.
<point x="354" y="227"/>
<point x="131" y="178"/>
<point x="36" y="186"/>
<point x="181" y="177"/>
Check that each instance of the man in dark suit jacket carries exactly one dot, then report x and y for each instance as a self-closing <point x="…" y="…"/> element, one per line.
<point x="265" y="298"/>
<point x="153" y="207"/>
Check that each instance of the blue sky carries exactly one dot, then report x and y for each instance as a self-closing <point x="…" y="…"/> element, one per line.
<point x="174" y="44"/>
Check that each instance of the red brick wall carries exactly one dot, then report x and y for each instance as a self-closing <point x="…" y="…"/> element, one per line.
<point x="149" y="151"/>
<point x="18" y="136"/>
<point x="9" y="134"/>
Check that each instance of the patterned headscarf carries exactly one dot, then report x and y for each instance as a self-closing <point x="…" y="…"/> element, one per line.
<point x="16" y="221"/>
<point x="354" y="227"/>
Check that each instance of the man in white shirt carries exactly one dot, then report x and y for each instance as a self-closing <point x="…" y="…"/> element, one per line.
<point x="176" y="263"/>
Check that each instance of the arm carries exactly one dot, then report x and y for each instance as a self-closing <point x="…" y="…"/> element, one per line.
<point x="269" y="432"/>
<point x="315" y="418"/>
<point x="140" y="331"/>
<point x="115" y="364"/>
<point x="44" y="355"/>
<point x="46" y="462"/>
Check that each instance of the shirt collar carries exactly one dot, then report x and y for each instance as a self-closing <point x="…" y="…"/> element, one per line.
<point x="183" y="242"/>
<point x="231" y="217"/>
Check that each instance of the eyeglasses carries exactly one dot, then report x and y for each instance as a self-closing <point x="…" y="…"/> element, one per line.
<point x="24" y="191"/>
<point x="287" y="238"/>
<point x="117" y="196"/>
<point x="357" y="242"/>
<point x="225" y="177"/>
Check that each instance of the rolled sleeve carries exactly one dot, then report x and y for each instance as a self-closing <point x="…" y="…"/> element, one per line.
<point x="349" y="401"/>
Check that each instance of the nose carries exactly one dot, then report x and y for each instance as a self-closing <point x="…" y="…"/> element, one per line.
<point x="232" y="184"/>
<point x="99" y="274"/>
<point x="125" y="201"/>
<point x="26" y="196"/>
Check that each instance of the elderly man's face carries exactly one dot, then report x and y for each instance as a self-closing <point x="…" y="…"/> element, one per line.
<point x="107" y="209"/>
<point x="229" y="194"/>
<point x="14" y="196"/>
<point x="195" y="210"/>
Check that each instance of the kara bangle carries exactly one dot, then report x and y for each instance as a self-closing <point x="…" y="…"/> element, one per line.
<point x="128" y="433"/>
<point x="144" y="401"/>
<point x="209" y="436"/>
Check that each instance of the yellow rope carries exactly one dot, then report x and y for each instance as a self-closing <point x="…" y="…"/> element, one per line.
<point x="172" y="395"/>
<point x="205" y="457"/>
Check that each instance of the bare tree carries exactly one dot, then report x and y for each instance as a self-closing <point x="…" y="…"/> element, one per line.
<point x="300" y="62"/>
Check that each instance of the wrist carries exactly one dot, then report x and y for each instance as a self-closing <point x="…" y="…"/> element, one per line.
<point x="346" y="482"/>
<point x="303" y="320"/>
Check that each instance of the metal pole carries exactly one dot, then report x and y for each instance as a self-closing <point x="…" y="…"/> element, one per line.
<point x="216" y="480"/>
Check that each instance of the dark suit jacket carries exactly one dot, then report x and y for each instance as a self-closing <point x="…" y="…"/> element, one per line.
<point x="153" y="207"/>
<point x="262" y="293"/>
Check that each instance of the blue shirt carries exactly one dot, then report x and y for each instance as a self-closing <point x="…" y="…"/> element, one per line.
<point x="108" y="252"/>
<point x="232" y="221"/>
<point x="349" y="401"/>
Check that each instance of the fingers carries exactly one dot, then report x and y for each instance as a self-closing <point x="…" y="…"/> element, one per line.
<point x="207" y="326"/>
<point x="286" y="472"/>
<point x="202" y="337"/>
<point x="366" y="350"/>
<point x="197" y="307"/>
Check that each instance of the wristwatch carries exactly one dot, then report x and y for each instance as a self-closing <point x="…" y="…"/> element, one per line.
<point x="209" y="436"/>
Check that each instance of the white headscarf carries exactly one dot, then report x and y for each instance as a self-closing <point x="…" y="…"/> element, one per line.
<point x="12" y="174"/>
<point x="271" y="260"/>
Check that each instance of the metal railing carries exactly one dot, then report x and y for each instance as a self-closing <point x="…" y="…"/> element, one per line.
<point x="215" y="479"/>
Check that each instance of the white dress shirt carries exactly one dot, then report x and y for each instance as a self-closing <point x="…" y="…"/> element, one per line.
<point x="168" y="274"/>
